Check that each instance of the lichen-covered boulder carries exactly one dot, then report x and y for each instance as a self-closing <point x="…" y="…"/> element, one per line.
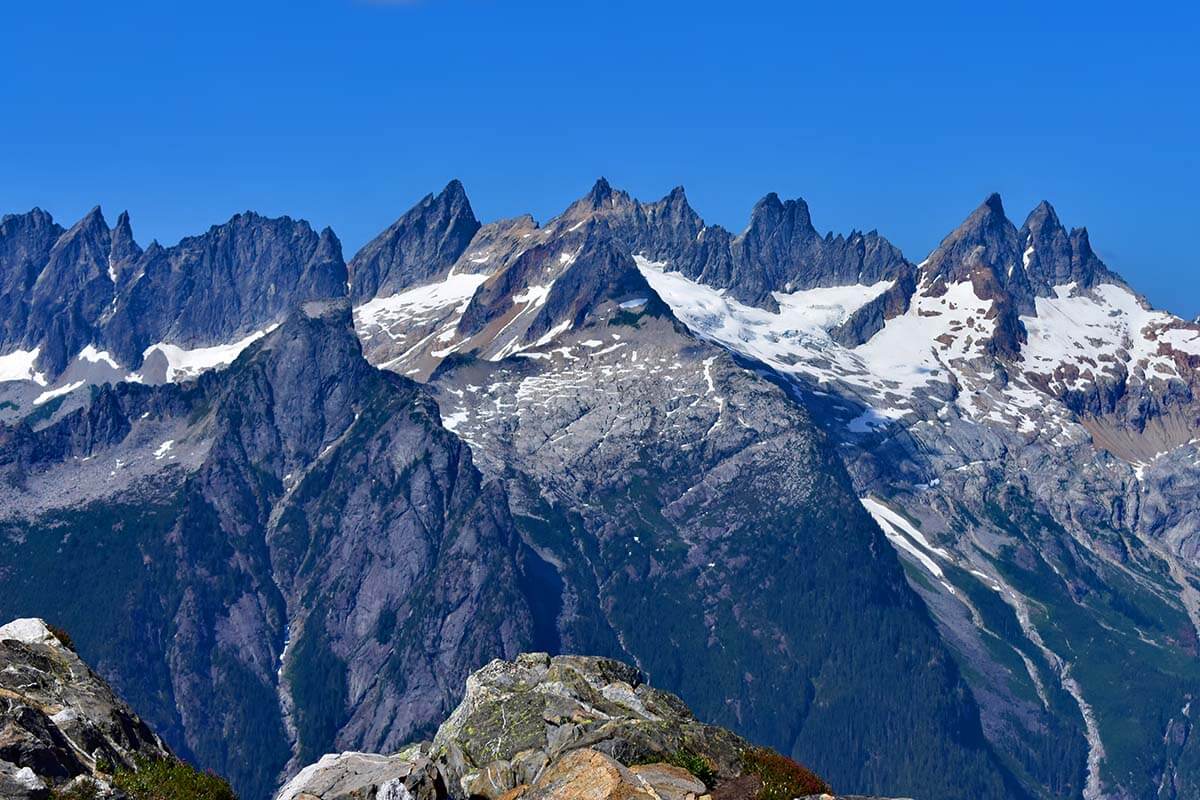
<point x="518" y="715"/>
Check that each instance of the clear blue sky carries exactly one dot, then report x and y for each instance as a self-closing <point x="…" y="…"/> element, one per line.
<point x="898" y="116"/>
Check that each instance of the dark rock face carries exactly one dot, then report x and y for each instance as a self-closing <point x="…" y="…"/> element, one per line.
<point x="223" y="285"/>
<point x="423" y="243"/>
<point x="780" y="251"/>
<point x="302" y="558"/>
<point x="58" y="719"/>
<point x="25" y="244"/>
<point x="602" y="271"/>
<point x="1057" y="257"/>
<point x="985" y="251"/>
<point x="653" y="476"/>
<point x="310" y="562"/>
<point x="91" y="285"/>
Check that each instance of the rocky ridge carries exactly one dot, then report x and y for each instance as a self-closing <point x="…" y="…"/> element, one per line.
<point x="218" y="503"/>
<point x="60" y="724"/>
<point x="1018" y="423"/>
<point x="564" y="727"/>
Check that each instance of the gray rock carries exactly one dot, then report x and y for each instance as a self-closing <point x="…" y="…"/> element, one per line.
<point x="58" y="720"/>
<point x="424" y="242"/>
<point x="364" y="776"/>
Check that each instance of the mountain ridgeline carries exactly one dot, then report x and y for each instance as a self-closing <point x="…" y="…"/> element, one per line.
<point x="915" y="525"/>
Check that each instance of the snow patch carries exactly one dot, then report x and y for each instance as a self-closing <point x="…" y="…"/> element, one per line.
<point x="184" y="363"/>
<point x="455" y="290"/>
<point x="46" y="397"/>
<point x="94" y="356"/>
<point x="19" y="366"/>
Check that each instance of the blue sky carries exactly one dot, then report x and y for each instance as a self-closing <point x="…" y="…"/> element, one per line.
<point x="900" y="117"/>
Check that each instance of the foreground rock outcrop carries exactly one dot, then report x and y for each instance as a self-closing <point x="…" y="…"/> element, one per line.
<point x="563" y="728"/>
<point x="59" y="722"/>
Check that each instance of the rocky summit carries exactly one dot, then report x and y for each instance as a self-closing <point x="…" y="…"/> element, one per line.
<point x="60" y="724"/>
<point x="567" y="727"/>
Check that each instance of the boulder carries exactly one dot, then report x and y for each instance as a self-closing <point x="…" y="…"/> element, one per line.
<point x="518" y="715"/>
<point x="408" y="775"/>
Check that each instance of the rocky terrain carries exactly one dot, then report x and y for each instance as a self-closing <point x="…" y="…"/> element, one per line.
<point x="534" y="727"/>
<point x="563" y="727"/>
<point x="957" y="495"/>
<point x="1018" y="421"/>
<point x="60" y="724"/>
<point x="294" y="548"/>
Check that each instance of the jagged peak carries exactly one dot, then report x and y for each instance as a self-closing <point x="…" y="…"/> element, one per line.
<point x="92" y="222"/>
<point x="1042" y="213"/>
<point x="1081" y="243"/>
<point x="454" y="190"/>
<point x="993" y="204"/>
<point x="451" y="200"/>
<point x="601" y="196"/>
<point x="601" y="190"/>
<point x="987" y="218"/>
<point x="124" y="246"/>
<point x="94" y="217"/>
<point x="329" y="246"/>
<point x="772" y="211"/>
<point x="676" y="198"/>
<point x="37" y="214"/>
<point x="769" y="202"/>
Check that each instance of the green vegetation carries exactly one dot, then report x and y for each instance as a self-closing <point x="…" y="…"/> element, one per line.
<point x="164" y="779"/>
<point x="318" y="682"/>
<point x="1086" y="611"/>
<point x="698" y="765"/>
<point x="84" y="790"/>
<point x="171" y="780"/>
<point x="782" y="778"/>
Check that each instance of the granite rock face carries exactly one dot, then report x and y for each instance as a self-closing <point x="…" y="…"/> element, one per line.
<point x="1019" y="422"/>
<point x="308" y="557"/>
<point x="90" y="293"/>
<point x="650" y="474"/>
<point x="59" y="720"/>
<point x="517" y="717"/>
<point x="424" y="242"/>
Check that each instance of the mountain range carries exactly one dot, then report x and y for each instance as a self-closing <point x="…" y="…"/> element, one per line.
<point x="930" y="528"/>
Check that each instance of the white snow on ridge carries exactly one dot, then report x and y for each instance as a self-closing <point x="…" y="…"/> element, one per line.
<point x="910" y="352"/>
<point x="46" y="397"/>
<point x="917" y="347"/>
<point x="794" y="340"/>
<point x="183" y="363"/>
<point x="904" y="536"/>
<point x="901" y="524"/>
<point x="1097" y="329"/>
<point x="454" y="291"/>
<point x="19" y="366"/>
